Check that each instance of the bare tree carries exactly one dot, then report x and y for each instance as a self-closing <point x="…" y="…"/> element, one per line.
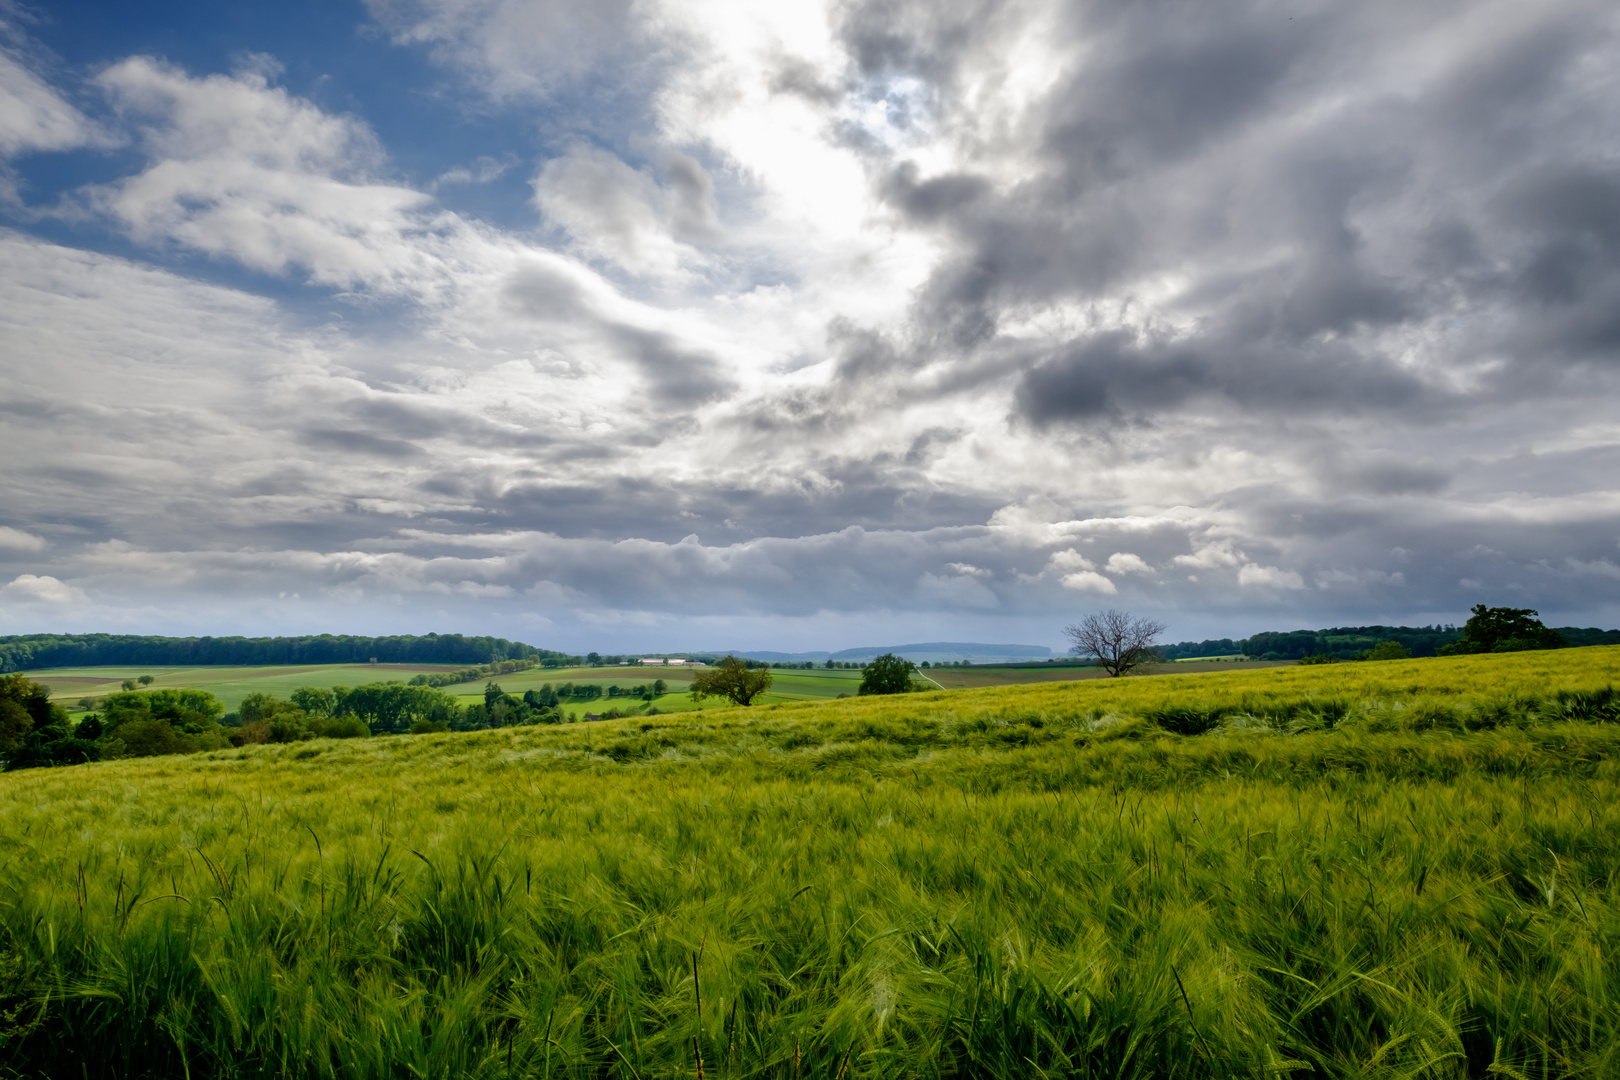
<point x="1117" y="641"/>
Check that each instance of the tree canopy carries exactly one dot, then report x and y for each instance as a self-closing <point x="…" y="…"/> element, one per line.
<point x="1504" y="629"/>
<point x="733" y="680"/>
<point x="887" y="674"/>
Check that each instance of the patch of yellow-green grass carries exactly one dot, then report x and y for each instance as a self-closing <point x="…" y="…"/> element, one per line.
<point x="1007" y="882"/>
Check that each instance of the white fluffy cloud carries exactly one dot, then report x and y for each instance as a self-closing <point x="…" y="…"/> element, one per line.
<point x="622" y="216"/>
<point x="42" y="589"/>
<point x="34" y="116"/>
<point x="17" y="540"/>
<point x="1089" y="581"/>
<point x="1270" y="576"/>
<point x="243" y="170"/>
<point x="1124" y="562"/>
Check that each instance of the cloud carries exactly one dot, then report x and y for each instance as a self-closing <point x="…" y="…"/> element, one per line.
<point x="513" y="47"/>
<point x="956" y="591"/>
<point x="242" y="169"/>
<point x="1270" y="576"/>
<point x="42" y="589"/>
<point x="1070" y="559"/>
<point x="17" y="540"/>
<point x="1221" y="553"/>
<point x="1123" y="562"/>
<point x="485" y="170"/>
<point x="620" y="215"/>
<point x="1089" y="581"/>
<point x="34" y="117"/>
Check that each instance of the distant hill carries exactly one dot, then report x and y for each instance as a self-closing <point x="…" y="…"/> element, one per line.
<point x="933" y="651"/>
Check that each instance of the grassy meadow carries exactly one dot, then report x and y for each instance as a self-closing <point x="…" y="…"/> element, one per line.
<point x="1402" y="869"/>
<point x="229" y="684"/>
<point x="961" y="678"/>
<point x="232" y="684"/>
<point x="786" y="686"/>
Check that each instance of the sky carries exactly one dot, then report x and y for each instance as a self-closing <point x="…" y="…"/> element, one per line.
<point x="646" y="325"/>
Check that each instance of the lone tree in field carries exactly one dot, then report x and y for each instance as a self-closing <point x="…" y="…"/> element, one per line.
<point x="888" y="674"/>
<point x="1504" y="629"/>
<point x="733" y="680"/>
<point x="1115" y="640"/>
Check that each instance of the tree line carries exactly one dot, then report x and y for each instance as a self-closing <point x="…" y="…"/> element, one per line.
<point x="30" y="651"/>
<point x="35" y="732"/>
<point x="1347" y="642"/>
<point x="471" y="674"/>
<point x="1120" y="642"/>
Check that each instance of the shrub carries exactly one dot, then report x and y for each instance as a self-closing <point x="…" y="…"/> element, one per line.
<point x="344" y="727"/>
<point x="1388" y="650"/>
<point x="53" y="744"/>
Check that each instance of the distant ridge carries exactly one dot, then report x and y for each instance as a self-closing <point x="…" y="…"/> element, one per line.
<point x="932" y="651"/>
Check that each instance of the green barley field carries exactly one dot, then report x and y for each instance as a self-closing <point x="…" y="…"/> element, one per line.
<point x="1402" y="869"/>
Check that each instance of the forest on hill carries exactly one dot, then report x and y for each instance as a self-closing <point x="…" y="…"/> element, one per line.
<point x="28" y="652"/>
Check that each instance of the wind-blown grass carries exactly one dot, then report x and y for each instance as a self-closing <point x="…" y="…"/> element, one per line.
<point x="1405" y="869"/>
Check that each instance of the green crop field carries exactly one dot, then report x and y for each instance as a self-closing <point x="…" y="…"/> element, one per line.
<point x="229" y="684"/>
<point x="1400" y="869"/>
<point x="959" y="678"/>
<point x="232" y="684"/>
<point x="787" y="685"/>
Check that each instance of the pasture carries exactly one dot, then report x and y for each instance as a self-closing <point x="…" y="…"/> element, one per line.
<point x="961" y="678"/>
<point x="232" y="684"/>
<point x="786" y="686"/>
<point x="1396" y="869"/>
<point x="229" y="684"/>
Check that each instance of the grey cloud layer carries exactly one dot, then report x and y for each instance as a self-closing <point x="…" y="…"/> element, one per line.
<point x="1341" y="210"/>
<point x="1244" y="317"/>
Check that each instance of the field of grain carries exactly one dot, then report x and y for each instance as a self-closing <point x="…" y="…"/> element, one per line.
<point x="958" y="678"/>
<point x="1367" y="870"/>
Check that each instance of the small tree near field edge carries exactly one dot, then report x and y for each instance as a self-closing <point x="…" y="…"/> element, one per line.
<point x="1117" y="640"/>
<point x="1388" y="650"/>
<point x="887" y="674"/>
<point x="733" y="680"/>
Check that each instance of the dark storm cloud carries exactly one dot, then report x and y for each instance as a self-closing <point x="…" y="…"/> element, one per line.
<point x="1567" y="217"/>
<point x="1179" y="146"/>
<point x="1117" y="375"/>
